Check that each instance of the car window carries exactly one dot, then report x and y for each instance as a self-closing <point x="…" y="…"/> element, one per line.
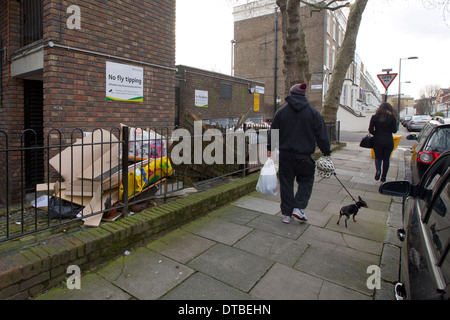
<point x="438" y="226"/>
<point x="429" y="180"/>
<point x="439" y="141"/>
<point x="424" y="133"/>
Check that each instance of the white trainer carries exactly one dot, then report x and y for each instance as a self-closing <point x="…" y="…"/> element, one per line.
<point x="299" y="214"/>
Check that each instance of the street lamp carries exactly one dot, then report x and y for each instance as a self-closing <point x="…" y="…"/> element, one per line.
<point x="400" y="82"/>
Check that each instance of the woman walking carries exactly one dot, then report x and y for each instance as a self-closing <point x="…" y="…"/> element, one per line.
<point x="382" y="126"/>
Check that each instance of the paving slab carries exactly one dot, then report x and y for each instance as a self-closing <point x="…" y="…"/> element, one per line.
<point x="335" y="267"/>
<point x="273" y="247"/>
<point x="361" y="228"/>
<point x="181" y="246"/>
<point x="317" y="218"/>
<point x="232" y="266"/>
<point x="259" y="205"/>
<point x="284" y="283"/>
<point x="331" y="291"/>
<point x="235" y="214"/>
<point x="145" y="274"/>
<point x="218" y="230"/>
<point x="274" y="224"/>
<point x="202" y="287"/>
<point x="93" y="287"/>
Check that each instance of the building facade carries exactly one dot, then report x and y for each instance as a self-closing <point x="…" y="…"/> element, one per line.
<point x="216" y="98"/>
<point x="406" y="104"/>
<point x="259" y="55"/>
<point x="443" y="102"/>
<point x="85" y="64"/>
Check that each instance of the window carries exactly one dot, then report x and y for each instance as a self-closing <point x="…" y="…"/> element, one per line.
<point x="424" y="133"/>
<point x="328" y="23"/>
<point x="438" y="227"/>
<point x="327" y="55"/>
<point x="225" y="91"/>
<point x="339" y="35"/>
<point x="334" y="29"/>
<point x="439" y="141"/>
<point x="32" y="21"/>
<point x="430" y="183"/>
<point x="333" y="57"/>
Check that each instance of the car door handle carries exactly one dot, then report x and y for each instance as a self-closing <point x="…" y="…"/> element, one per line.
<point x="401" y="234"/>
<point x="400" y="291"/>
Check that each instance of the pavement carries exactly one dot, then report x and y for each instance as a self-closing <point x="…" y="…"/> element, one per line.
<point x="243" y="251"/>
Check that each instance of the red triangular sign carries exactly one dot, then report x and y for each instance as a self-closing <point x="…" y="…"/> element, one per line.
<point x="387" y="79"/>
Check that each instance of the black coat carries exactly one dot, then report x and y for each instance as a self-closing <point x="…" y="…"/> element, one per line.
<point x="382" y="130"/>
<point x="300" y="127"/>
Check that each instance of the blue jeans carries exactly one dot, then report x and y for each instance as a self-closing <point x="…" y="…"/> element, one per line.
<point x="382" y="159"/>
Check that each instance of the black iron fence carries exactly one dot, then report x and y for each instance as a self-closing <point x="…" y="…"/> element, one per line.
<point x="102" y="175"/>
<point x="98" y="176"/>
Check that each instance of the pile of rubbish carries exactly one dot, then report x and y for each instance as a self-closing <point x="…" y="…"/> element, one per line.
<point x="91" y="175"/>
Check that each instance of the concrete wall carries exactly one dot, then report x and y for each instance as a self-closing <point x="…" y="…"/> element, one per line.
<point x="351" y="123"/>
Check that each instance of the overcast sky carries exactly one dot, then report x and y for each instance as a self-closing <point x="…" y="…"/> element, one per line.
<point x="391" y="29"/>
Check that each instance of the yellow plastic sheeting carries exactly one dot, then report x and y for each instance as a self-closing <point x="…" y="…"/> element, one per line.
<point x="397" y="139"/>
<point x="141" y="177"/>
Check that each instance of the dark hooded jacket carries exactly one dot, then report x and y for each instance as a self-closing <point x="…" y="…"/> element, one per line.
<point x="300" y="127"/>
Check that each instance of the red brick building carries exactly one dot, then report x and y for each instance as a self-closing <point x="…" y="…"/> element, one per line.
<point x="259" y="55"/>
<point x="84" y="64"/>
<point x="218" y="98"/>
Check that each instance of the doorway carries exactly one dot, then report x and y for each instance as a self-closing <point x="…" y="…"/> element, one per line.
<point x="33" y="138"/>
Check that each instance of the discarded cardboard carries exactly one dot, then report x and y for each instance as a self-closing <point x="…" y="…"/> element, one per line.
<point x="90" y="151"/>
<point x="92" y="175"/>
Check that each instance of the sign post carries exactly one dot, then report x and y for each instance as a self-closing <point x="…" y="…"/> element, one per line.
<point x="387" y="79"/>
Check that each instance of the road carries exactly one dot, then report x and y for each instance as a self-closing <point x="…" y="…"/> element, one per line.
<point x="357" y="136"/>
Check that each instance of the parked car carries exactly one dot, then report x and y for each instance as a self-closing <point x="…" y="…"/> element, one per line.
<point x="405" y="120"/>
<point x="418" y="122"/>
<point x="425" y="258"/>
<point x="432" y="141"/>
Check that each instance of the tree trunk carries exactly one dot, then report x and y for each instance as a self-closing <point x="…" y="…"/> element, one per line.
<point x="296" y="59"/>
<point x="345" y="58"/>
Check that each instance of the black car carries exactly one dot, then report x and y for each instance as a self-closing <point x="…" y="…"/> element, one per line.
<point x="425" y="260"/>
<point x="431" y="142"/>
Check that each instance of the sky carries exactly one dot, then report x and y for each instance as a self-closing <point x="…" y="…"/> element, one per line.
<point x="390" y="30"/>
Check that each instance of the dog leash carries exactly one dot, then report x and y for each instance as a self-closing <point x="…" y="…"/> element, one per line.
<point x="334" y="173"/>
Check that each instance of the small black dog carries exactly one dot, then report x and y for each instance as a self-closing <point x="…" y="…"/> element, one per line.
<point x="352" y="210"/>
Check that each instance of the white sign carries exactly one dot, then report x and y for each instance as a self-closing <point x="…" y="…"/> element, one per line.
<point x="316" y="87"/>
<point x="124" y="82"/>
<point x="201" y="99"/>
<point x="259" y="89"/>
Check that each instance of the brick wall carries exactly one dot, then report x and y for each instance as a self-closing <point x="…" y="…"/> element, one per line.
<point x="11" y="108"/>
<point x="255" y="55"/>
<point x="242" y="101"/>
<point x="74" y="82"/>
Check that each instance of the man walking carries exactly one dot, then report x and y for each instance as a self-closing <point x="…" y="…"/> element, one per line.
<point x="300" y="128"/>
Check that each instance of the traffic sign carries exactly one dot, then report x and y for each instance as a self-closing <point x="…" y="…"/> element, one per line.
<point x="387" y="79"/>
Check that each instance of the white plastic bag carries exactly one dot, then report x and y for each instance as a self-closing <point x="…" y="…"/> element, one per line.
<point x="268" y="181"/>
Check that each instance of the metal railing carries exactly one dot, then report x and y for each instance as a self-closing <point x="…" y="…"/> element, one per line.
<point x="103" y="174"/>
